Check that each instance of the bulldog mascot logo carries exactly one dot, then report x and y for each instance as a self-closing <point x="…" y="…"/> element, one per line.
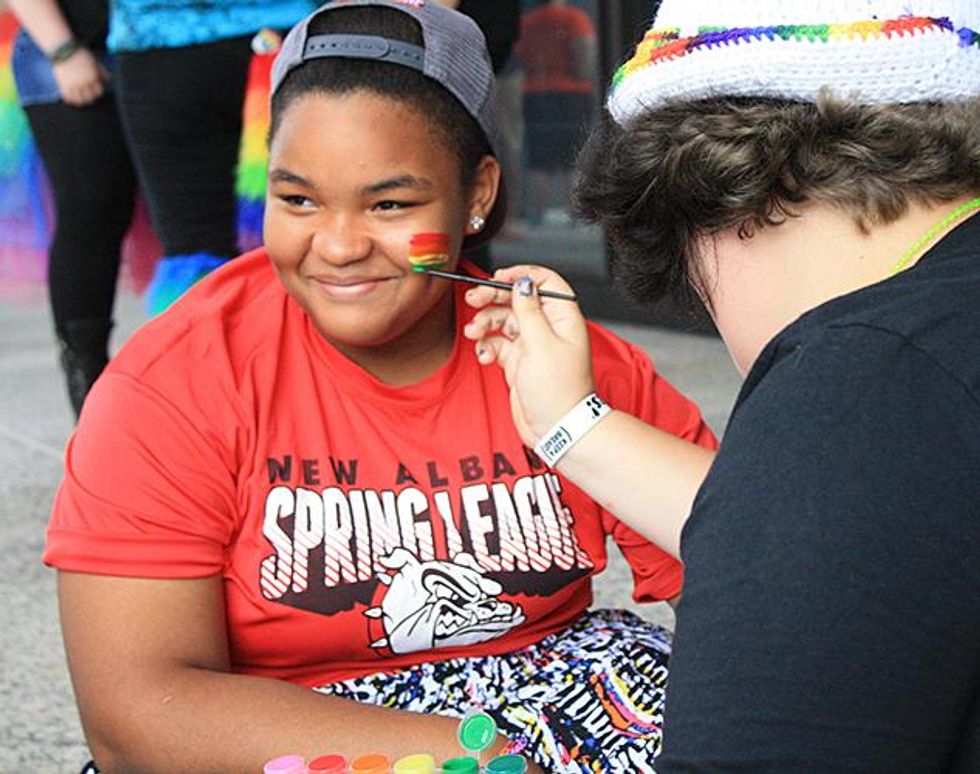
<point x="438" y="604"/>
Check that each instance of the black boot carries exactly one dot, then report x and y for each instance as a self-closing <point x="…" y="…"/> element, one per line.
<point x="84" y="353"/>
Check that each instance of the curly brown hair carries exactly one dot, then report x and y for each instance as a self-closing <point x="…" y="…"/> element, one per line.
<point x="690" y="169"/>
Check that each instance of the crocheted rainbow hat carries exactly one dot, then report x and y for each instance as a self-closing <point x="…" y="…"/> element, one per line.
<point x="876" y="51"/>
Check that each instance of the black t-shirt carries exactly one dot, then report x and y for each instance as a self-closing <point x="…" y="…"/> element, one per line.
<point x="89" y="21"/>
<point x="831" y="610"/>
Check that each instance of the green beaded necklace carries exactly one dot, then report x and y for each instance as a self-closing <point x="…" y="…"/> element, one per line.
<point x="931" y="234"/>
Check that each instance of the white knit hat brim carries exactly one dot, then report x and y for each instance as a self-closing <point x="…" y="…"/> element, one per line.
<point x="927" y="65"/>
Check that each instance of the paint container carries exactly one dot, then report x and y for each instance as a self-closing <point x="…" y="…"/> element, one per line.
<point x="286" y="764"/>
<point x="371" y="764"/>
<point x="463" y="765"/>
<point x="507" y="764"/>
<point x="422" y="763"/>
<point x="328" y="764"/>
<point x="477" y="731"/>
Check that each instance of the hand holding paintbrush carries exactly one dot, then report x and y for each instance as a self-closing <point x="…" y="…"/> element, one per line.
<point x="429" y="253"/>
<point x="543" y="348"/>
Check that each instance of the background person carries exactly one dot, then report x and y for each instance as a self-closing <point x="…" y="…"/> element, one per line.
<point x="558" y="50"/>
<point x="813" y="173"/>
<point x="62" y="73"/>
<point x="322" y="488"/>
<point x="181" y="73"/>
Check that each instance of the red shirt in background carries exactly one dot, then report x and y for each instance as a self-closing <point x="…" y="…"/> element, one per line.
<point x="547" y="49"/>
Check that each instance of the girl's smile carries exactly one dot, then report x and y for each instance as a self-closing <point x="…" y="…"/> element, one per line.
<point x="341" y="288"/>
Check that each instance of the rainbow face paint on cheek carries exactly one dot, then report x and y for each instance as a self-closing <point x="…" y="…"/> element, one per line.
<point x="428" y="251"/>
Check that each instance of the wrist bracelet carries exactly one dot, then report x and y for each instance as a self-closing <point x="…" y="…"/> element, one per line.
<point x="64" y="51"/>
<point x="570" y="428"/>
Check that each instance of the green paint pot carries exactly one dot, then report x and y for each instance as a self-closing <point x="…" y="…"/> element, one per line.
<point x="463" y="765"/>
<point x="477" y="731"/>
<point x="507" y="764"/>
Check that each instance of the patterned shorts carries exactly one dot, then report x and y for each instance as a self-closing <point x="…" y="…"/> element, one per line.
<point x="586" y="699"/>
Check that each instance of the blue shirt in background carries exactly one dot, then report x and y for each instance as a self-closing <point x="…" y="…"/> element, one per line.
<point x="137" y="25"/>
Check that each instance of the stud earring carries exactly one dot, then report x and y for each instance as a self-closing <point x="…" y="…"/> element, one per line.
<point x="477" y="223"/>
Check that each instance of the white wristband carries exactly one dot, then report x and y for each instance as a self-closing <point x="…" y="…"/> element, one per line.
<point x="570" y="428"/>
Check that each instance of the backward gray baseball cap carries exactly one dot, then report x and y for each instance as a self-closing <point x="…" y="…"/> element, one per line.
<point x="454" y="53"/>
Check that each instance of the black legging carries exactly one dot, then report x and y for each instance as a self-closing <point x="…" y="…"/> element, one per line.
<point x="182" y="112"/>
<point x="92" y="180"/>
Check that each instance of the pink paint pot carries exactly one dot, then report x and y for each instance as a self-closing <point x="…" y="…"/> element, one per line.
<point x="286" y="764"/>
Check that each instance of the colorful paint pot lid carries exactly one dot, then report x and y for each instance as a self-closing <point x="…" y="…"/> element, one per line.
<point x="507" y="764"/>
<point x="465" y="764"/>
<point x="477" y="731"/>
<point x="374" y="763"/>
<point x="328" y="764"/>
<point x="286" y="764"/>
<point x="422" y="763"/>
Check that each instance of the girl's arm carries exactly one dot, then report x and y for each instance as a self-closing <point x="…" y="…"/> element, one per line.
<point x="627" y="466"/>
<point x="150" y="664"/>
<point x="79" y="76"/>
<point x="43" y="21"/>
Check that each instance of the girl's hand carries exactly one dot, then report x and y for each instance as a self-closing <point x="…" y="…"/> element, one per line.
<point x="81" y="78"/>
<point x="541" y="343"/>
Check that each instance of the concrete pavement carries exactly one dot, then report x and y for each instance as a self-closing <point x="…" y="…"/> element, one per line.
<point x="39" y="728"/>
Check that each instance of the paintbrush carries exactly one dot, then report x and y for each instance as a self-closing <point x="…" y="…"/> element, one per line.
<point x="429" y="252"/>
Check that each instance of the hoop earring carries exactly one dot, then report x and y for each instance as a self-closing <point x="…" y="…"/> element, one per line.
<point x="477" y="223"/>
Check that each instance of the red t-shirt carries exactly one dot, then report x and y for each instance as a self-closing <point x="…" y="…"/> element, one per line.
<point x="358" y="527"/>
<point x="546" y="47"/>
